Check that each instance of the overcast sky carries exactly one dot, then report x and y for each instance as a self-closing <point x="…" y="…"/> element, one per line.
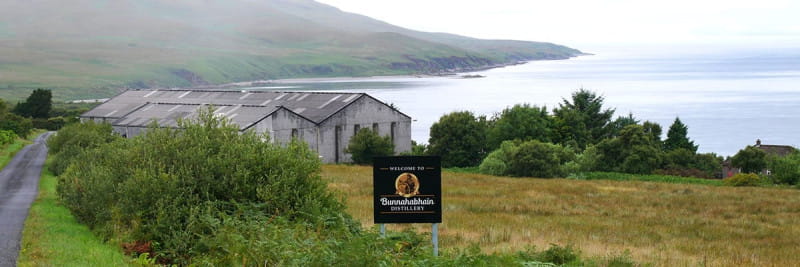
<point x="592" y="23"/>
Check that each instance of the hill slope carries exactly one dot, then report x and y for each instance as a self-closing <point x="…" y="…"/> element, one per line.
<point x="83" y="48"/>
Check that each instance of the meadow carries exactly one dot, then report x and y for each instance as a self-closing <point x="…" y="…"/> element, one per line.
<point x="662" y="224"/>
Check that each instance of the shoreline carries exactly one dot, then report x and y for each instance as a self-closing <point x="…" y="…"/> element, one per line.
<point x="454" y="73"/>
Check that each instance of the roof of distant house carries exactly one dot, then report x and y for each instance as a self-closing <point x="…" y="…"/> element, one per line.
<point x="780" y="150"/>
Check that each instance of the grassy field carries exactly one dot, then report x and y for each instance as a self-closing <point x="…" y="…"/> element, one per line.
<point x="659" y="223"/>
<point x="52" y="237"/>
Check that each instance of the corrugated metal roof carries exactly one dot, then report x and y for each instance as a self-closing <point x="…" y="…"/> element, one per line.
<point x="168" y="114"/>
<point x="314" y="106"/>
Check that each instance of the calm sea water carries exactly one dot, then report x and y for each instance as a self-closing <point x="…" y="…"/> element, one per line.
<point x="727" y="100"/>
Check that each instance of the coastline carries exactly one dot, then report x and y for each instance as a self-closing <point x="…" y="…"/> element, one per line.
<point x="451" y="73"/>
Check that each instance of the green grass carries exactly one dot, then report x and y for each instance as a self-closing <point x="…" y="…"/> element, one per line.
<point x="644" y="178"/>
<point x="52" y="236"/>
<point x="8" y="151"/>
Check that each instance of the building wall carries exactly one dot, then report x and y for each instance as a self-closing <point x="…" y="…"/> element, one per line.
<point x="364" y="112"/>
<point x="284" y="123"/>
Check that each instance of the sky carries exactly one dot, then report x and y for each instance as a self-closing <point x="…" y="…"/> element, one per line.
<point x="592" y="23"/>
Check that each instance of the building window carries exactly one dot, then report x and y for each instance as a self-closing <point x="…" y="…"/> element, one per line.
<point x="394" y="127"/>
<point x="356" y="128"/>
<point x="375" y="128"/>
<point x="295" y="133"/>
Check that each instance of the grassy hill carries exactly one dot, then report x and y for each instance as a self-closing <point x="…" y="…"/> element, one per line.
<point x="93" y="48"/>
<point x="659" y="223"/>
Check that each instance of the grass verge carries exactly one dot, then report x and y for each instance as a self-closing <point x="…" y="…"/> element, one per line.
<point x="8" y="151"/>
<point x="660" y="223"/>
<point x="52" y="236"/>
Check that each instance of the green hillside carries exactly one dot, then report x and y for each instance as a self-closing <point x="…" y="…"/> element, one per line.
<point x="94" y="48"/>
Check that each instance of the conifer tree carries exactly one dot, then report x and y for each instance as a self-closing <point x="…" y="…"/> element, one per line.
<point x="677" y="137"/>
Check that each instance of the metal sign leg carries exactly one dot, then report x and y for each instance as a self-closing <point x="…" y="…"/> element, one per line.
<point x="383" y="230"/>
<point x="435" y="237"/>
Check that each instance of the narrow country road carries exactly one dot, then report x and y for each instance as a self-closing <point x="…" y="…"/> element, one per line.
<point x="19" y="183"/>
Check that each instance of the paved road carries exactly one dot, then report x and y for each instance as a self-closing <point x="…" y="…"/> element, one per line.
<point x="19" y="183"/>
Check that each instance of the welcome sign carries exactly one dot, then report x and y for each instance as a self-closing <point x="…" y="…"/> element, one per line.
<point x="407" y="189"/>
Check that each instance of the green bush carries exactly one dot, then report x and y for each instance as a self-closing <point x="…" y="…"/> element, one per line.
<point x="21" y="126"/>
<point x="558" y="254"/>
<point x="74" y="139"/>
<point x="785" y="170"/>
<point x="179" y="188"/>
<point x="743" y="179"/>
<point x="531" y="158"/>
<point x="7" y="137"/>
<point x="366" y="144"/>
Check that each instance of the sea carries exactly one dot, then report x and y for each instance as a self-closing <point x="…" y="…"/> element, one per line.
<point x="728" y="99"/>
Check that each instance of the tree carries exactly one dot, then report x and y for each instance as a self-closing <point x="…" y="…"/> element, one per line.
<point x="750" y="159"/>
<point x="653" y="130"/>
<point x="583" y="119"/>
<point x="520" y="122"/>
<point x="38" y="105"/>
<point x="366" y="144"/>
<point x="459" y="138"/>
<point x="620" y="123"/>
<point x="676" y="137"/>
<point x="631" y="152"/>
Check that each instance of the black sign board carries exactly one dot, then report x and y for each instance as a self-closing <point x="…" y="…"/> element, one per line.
<point x="407" y="189"/>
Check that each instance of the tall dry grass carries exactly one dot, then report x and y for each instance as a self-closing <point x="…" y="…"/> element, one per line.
<point x="662" y="224"/>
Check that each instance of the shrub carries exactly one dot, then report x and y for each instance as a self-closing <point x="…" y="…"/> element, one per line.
<point x="7" y="137"/>
<point x="180" y="188"/>
<point x="558" y="254"/>
<point x="367" y="144"/>
<point x="743" y="179"/>
<point x="74" y="139"/>
<point x="531" y="158"/>
<point x="786" y="170"/>
<point x="21" y="126"/>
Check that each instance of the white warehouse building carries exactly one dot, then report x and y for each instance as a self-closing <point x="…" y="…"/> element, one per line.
<point x="325" y="121"/>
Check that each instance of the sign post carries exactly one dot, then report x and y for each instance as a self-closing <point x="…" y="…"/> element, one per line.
<point x="408" y="189"/>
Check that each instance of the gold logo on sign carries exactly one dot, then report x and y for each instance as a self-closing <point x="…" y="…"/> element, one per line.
<point x="407" y="185"/>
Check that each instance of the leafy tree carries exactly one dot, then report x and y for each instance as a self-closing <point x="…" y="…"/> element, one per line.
<point x="459" y="138"/>
<point x="520" y="122"/>
<point x="582" y="119"/>
<point x="750" y="159"/>
<point x="366" y="144"/>
<point x="631" y="152"/>
<point x="38" y="105"/>
<point x="676" y="137"/>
